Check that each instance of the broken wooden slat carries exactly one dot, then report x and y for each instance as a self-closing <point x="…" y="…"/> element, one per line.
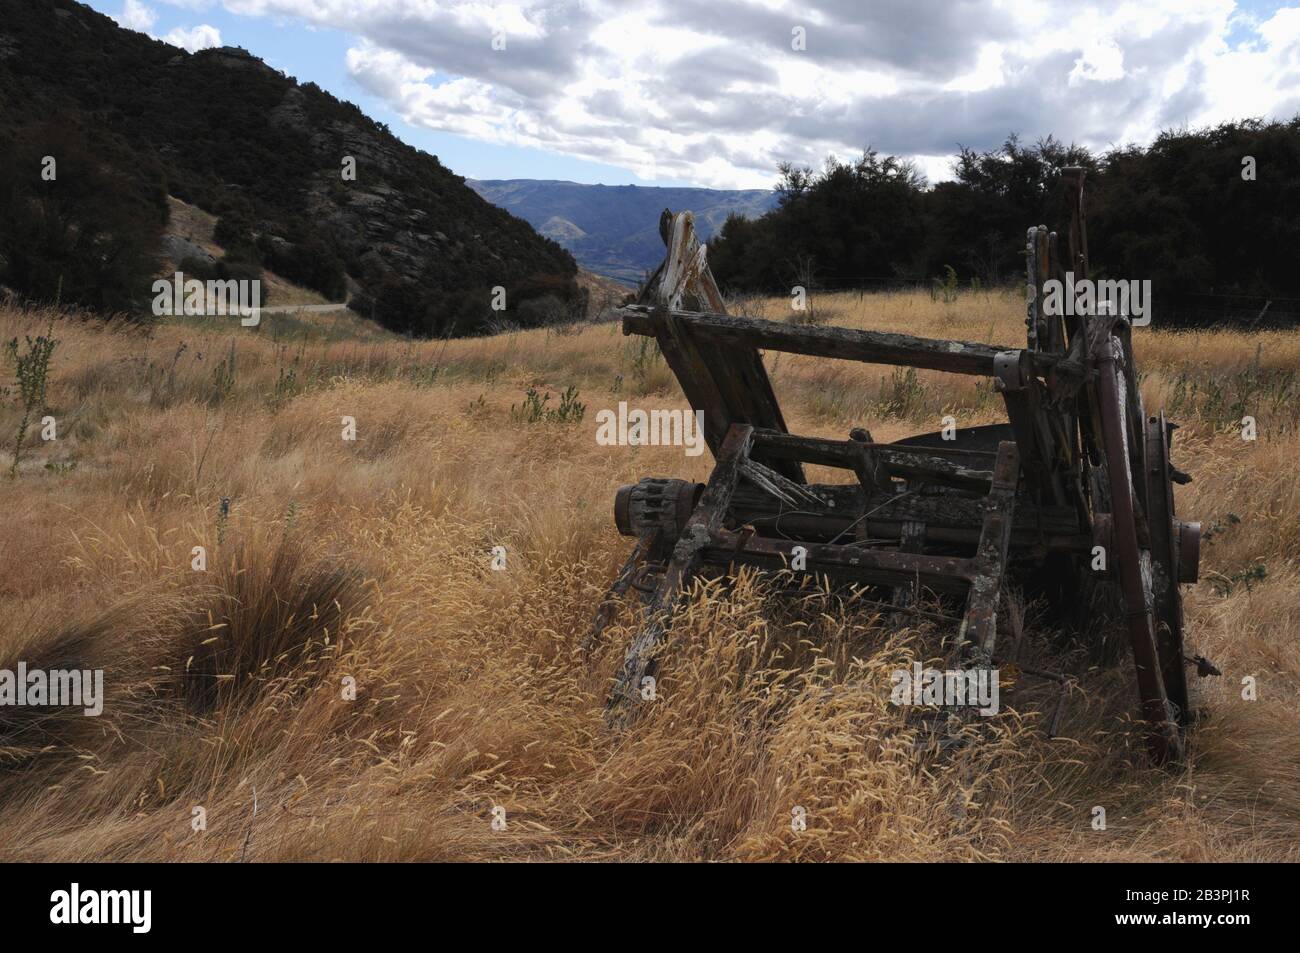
<point x="683" y="280"/>
<point x="794" y="495"/>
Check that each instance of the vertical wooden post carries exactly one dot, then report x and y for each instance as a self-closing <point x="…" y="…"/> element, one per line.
<point x="980" y="624"/>
<point x="911" y="539"/>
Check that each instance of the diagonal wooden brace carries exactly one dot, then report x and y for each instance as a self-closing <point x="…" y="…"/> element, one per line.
<point x="687" y="556"/>
<point x="645" y="544"/>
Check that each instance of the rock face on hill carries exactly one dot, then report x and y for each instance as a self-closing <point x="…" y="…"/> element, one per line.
<point x="274" y="160"/>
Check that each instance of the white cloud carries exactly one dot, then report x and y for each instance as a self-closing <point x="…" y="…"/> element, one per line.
<point x="136" y="16"/>
<point x="1101" y="61"/>
<point x="201" y="37"/>
<point x="710" y="91"/>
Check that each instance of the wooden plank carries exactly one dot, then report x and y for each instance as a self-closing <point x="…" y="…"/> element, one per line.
<point x="1033" y="304"/>
<point x="728" y="384"/>
<point x="873" y="347"/>
<point x="1054" y="341"/>
<point x="740" y="380"/>
<point x="872" y="566"/>
<point x="1072" y="178"/>
<point x="699" y="387"/>
<point x="948" y="519"/>
<point x="1040" y="449"/>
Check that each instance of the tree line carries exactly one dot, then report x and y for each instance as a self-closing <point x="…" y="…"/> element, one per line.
<point x="1209" y="216"/>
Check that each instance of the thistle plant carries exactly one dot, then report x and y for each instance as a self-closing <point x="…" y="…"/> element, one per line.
<point x="32" y="370"/>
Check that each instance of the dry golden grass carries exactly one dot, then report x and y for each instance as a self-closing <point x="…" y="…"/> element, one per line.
<point x="370" y="560"/>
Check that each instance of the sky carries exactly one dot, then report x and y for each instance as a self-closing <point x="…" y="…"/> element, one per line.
<point x="716" y="93"/>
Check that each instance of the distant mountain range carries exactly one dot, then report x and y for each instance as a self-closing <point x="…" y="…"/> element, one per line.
<point x="613" y="230"/>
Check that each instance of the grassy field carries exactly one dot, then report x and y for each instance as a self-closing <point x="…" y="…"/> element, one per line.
<point x="367" y="562"/>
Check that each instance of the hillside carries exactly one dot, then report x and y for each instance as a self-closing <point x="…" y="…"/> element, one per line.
<point x="371" y="560"/>
<point x="190" y="236"/>
<point x="223" y="131"/>
<point x="614" y="229"/>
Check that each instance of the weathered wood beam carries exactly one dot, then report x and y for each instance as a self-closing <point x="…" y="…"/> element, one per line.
<point x="980" y="623"/>
<point x="870" y="469"/>
<point x="1041" y="453"/>
<point x="698" y="385"/>
<point x="873" y="347"/>
<point x="872" y="566"/>
<point x="729" y="384"/>
<point x="948" y="519"/>
<point x="683" y="280"/>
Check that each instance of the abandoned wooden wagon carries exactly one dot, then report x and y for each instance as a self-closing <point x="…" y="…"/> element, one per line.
<point x="1078" y="469"/>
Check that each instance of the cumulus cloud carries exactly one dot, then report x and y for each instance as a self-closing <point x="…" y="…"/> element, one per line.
<point x="136" y="16"/>
<point x="715" y="92"/>
<point x="201" y="37"/>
